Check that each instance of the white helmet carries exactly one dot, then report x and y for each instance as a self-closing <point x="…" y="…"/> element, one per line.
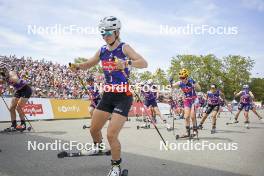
<point x="109" y="23"/>
<point x="245" y="86"/>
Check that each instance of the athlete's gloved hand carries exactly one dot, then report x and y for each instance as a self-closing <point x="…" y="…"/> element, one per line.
<point x="74" y="67"/>
<point x="120" y="64"/>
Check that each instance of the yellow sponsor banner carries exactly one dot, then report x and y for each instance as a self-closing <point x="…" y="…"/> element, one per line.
<point x="63" y="109"/>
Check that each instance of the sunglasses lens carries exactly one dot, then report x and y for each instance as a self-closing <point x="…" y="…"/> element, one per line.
<point x="107" y="33"/>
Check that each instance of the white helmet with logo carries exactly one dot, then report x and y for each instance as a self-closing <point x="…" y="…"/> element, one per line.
<point x="109" y="23"/>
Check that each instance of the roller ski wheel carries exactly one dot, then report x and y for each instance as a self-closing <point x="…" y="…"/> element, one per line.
<point x="177" y="137"/>
<point x="169" y="129"/>
<point x="213" y="131"/>
<point x="144" y="127"/>
<point x="124" y="172"/>
<point x="9" y="130"/>
<point x="62" y="154"/>
<point x="139" y="120"/>
<point x="85" y="127"/>
<point x="184" y="136"/>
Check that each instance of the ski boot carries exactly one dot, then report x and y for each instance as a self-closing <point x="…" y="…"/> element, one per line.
<point x="213" y="131"/>
<point x="247" y="124"/>
<point x="116" y="168"/>
<point x="200" y="127"/>
<point x="168" y="127"/>
<point x="195" y="132"/>
<point x="235" y="121"/>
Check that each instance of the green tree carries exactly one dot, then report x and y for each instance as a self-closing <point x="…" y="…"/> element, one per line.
<point x="256" y="86"/>
<point x="160" y="77"/>
<point x="204" y="69"/>
<point x="236" y="72"/>
<point x="146" y="75"/>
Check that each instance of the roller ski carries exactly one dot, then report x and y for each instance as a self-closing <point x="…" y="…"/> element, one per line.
<point x="184" y="136"/>
<point x="234" y="122"/>
<point x="188" y="135"/>
<point x="92" y="152"/>
<point x="85" y="127"/>
<point x="18" y="128"/>
<point x="144" y="126"/>
<point x="9" y="130"/>
<point x="138" y="120"/>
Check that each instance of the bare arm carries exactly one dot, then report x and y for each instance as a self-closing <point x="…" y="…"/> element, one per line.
<point x="252" y="96"/>
<point x="223" y="97"/>
<point x="137" y="60"/>
<point x="90" y="62"/>
<point x="238" y="94"/>
<point x="176" y="85"/>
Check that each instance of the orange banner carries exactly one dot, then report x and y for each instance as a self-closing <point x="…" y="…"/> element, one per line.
<point x="63" y="109"/>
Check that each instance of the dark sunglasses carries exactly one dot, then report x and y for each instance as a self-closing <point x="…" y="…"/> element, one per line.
<point x="107" y="33"/>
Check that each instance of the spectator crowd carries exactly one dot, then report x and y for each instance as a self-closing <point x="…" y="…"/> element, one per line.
<point x="47" y="79"/>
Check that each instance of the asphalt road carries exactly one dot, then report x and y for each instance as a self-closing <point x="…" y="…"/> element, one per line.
<point x="141" y="151"/>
